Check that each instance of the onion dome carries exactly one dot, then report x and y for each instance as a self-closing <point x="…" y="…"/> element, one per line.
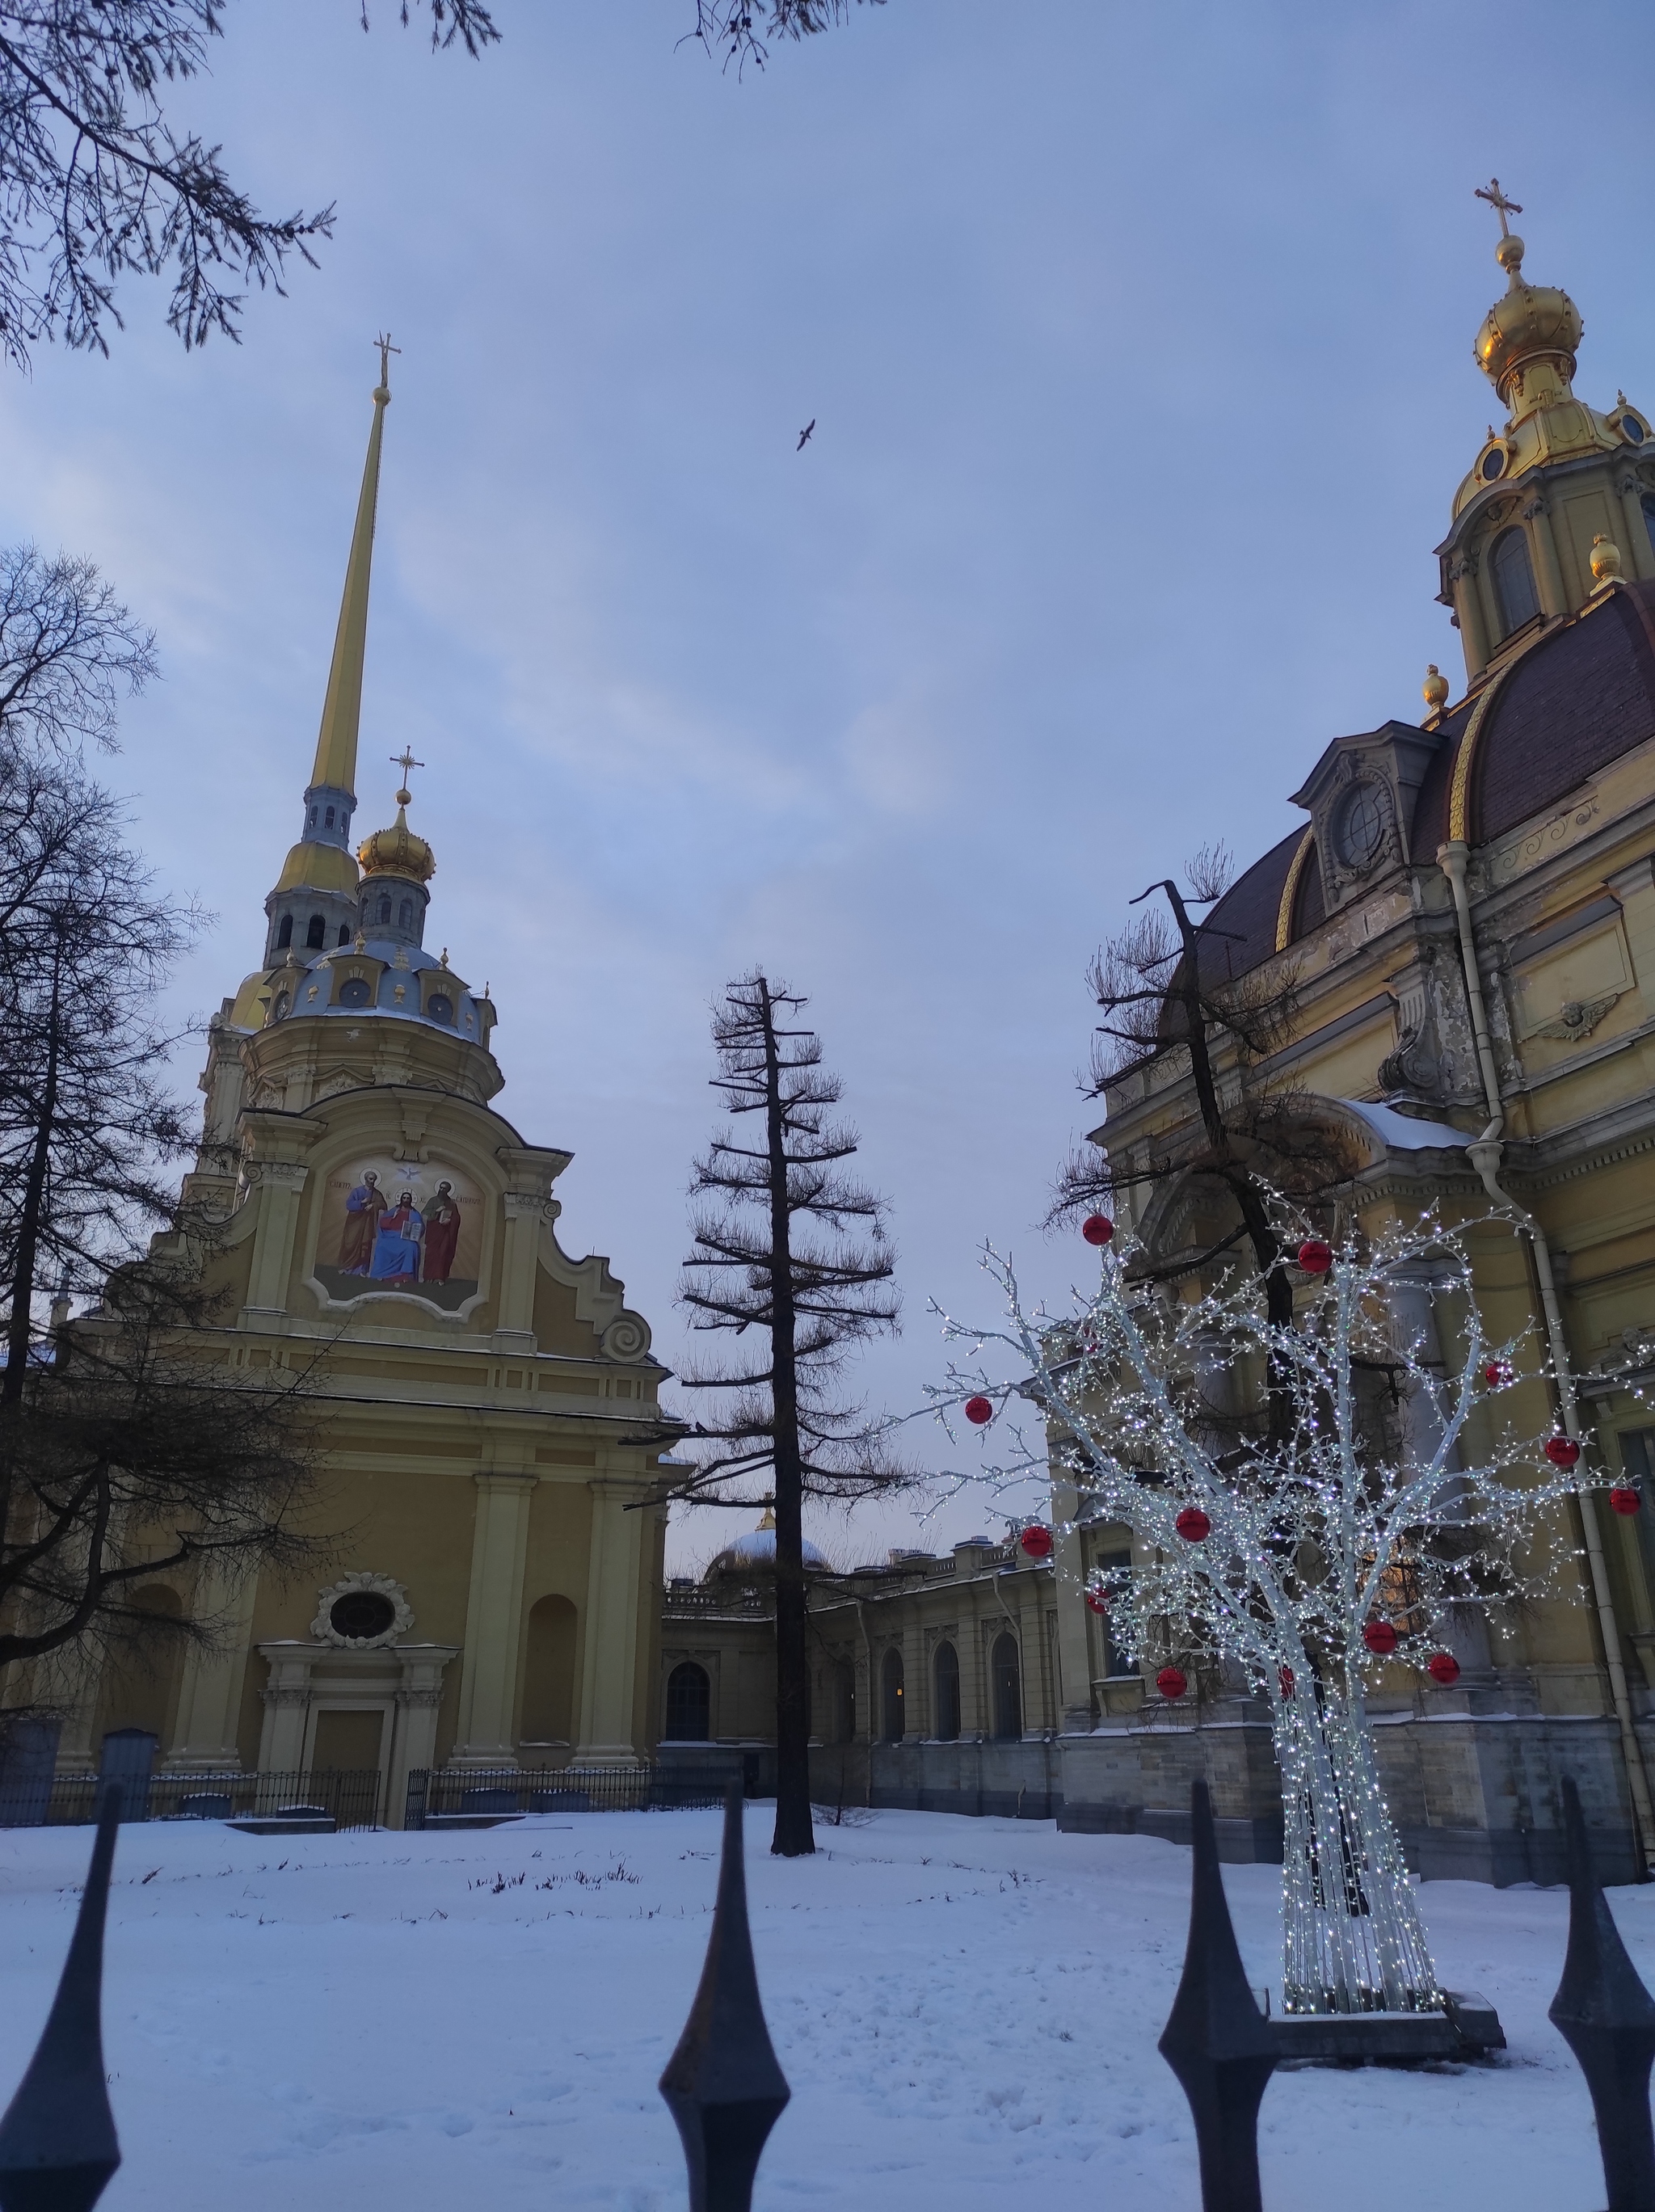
<point x="398" y="851"/>
<point x="1533" y="323"/>
<point x="755" y="1552"/>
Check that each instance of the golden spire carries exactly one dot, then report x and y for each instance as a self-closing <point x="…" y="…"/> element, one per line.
<point x="341" y="710"/>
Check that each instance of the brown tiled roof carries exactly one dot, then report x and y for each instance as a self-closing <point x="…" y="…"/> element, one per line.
<point x="1576" y="701"/>
<point x="1247" y="913"/>
<point x="1580" y="697"/>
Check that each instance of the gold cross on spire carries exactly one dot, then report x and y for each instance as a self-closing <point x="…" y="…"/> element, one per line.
<point x="405" y="761"/>
<point x="386" y="350"/>
<point x="1498" y="201"/>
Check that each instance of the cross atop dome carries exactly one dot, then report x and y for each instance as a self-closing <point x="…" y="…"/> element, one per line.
<point x="405" y="761"/>
<point x="1498" y="201"/>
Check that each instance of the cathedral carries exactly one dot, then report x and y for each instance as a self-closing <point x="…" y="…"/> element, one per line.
<point x="1464" y="927"/>
<point x="484" y="1400"/>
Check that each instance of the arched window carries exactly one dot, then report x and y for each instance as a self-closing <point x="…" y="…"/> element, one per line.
<point x="385" y="906"/>
<point x="312" y="818"/>
<point x="284" y="935"/>
<point x="405" y="914"/>
<point x="945" y="1665"/>
<point x="1649" y="516"/>
<point x="891" y="1685"/>
<point x="1513" y="575"/>
<point x="330" y="817"/>
<point x="548" y="1653"/>
<point x="1008" y="1689"/>
<point x="315" y="934"/>
<point x="344" y="933"/>
<point x="689" y="1705"/>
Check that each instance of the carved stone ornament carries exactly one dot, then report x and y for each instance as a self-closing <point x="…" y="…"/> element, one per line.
<point x="627" y="1337"/>
<point x="1414" y="1068"/>
<point x="1578" y="1017"/>
<point x="362" y="1612"/>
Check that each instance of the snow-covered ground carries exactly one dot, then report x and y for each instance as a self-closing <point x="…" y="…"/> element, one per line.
<point x="967" y="2010"/>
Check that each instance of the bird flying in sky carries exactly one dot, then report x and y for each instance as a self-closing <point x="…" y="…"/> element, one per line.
<point x="804" y="435"/>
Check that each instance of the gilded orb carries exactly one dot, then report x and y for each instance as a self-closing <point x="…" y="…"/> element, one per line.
<point x="1434" y="689"/>
<point x="1606" y="562"/>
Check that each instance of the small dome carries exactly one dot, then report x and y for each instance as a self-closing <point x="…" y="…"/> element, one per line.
<point x="1532" y="321"/>
<point x="398" y="851"/>
<point x="755" y="1552"/>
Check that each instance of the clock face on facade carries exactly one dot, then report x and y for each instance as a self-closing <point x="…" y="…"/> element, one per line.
<point x="1360" y="830"/>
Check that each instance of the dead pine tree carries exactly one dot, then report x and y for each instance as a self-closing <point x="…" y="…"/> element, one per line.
<point x="790" y="1252"/>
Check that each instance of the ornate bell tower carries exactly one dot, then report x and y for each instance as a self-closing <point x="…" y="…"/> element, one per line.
<point x="1560" y="501"/>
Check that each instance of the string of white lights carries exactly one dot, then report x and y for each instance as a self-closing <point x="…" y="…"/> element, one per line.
<point x="1309" y="1504"/>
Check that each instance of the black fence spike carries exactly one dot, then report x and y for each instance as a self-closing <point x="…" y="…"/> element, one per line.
<point x="1216" y="2039"/>
<point x="57" y="2144"/>
<point x="723" y="2084"/>
<point x="1607" y="2017"/>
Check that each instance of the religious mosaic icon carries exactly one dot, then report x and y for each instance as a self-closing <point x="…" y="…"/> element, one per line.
<point x="385" y="1227"/>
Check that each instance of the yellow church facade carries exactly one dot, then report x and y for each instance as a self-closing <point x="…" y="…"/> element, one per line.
<point x="382" y="1238"/>
<point x="1461" y="937"/>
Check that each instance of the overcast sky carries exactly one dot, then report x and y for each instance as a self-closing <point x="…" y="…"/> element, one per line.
<point x="1138" y="343"/>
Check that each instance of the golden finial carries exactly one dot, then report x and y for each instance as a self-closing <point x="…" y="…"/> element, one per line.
<point x="405" y="761"/>
<point x="361" y="941"/>
<point x="443" y="963"/>
<point x="1509" y="252"/>
<point x="386" y="350"/>
<point x="1605" y="558"/>
<point x="1434" y="689"/>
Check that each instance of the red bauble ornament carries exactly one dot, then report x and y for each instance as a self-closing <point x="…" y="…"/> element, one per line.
<point x="1380" y="1637"/>
<point x="1496" y="1374"/>
<point x="1036" y="1541"/>
<point x="1443" y="1668"/>
<point x="1096" y="1602"/>
<point x="1097" y="1229"/>
<point x="1562" y="1451"/>
<point x="1315" y="1257"/>
<point x="1287" y="1681"/>
<point x="980" y="1412"/>
<point x="1193" y="1525"/>
<point x="1624" y="1501"/>
<point x="1172" y="1681"/>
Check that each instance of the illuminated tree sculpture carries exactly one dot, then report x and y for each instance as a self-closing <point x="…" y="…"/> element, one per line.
<point x="1309" y="1501"/>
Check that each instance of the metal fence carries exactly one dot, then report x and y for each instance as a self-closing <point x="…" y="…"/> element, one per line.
<point x="350" y="1796"/>
<point x="436" y="1795"/>
<point x="726" y="2090"/>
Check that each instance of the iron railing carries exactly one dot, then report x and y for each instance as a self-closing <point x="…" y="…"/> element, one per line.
<point x="436" y="1794"/>
<point x="350" y="1796"/>
<point x="726" y="2090"/>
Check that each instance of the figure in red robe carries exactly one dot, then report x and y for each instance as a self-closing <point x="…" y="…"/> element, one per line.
<point x="442" y="1234"/>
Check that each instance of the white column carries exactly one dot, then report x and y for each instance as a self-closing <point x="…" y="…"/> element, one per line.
<point x="493" y="1621"/>
<point x="287" y="1706"/>
<point x="279" y="1185"/>
<point x="414" y="1733"/>
<point x="610" y="1642"/>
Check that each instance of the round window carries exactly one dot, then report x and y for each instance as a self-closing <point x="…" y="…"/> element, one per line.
<point x="1494" y="464"/>
<point x="362" y="1614"/>
<point x="440" y="1007"/>
<point x="279" y="1012"/>
<point x="354" y="991"/>
<point x="1360" y="829"/>
<point x="1633" y="431"/>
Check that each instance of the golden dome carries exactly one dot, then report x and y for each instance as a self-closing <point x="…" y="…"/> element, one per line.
<point x="398" y="851"/>
<point x="1532" y="323"/>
